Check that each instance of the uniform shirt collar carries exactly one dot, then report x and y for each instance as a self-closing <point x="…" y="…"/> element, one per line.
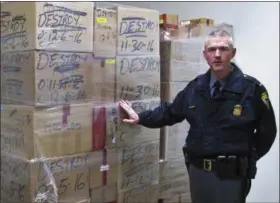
<point x="233" y="83"/>
<point x="213" y="80"/>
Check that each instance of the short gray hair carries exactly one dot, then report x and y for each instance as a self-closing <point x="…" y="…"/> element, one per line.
<point x="220" y="33"/>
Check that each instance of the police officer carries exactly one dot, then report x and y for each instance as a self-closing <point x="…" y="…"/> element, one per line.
<point x="232" y="125"/>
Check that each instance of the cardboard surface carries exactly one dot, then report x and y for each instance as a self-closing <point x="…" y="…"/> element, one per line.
<point x="105" y="32"/>
<point x="138" y="77"/>
<point x="119" y="134"/>
<point x="138" y="31"/>
<point x="145" y="193"/>
<point x="103" y="80"/>
<point x="51" y="132"/>
<point x="59" y="26"/>
<point x="45" y="78"/>
<point x="127" y="167"/>
<point x="179" y="71"/>
<point x="173" y="178"/>
<point x="35" y="180"/>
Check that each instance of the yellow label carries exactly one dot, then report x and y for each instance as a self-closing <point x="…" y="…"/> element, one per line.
<point x="101" y="20"/>
<point x="160" y="21"/>
<point x="110" y="61"/>
<point x="237" y="110"/>
<point x="264" y="96"/>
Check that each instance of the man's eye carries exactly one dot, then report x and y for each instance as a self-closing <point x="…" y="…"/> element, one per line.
<point x="211" y="49"/>
<point x="224" y="48"/>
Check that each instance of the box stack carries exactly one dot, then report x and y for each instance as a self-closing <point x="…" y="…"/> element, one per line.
<point x="181" y="61"/>
<point x="126" y="66"/>
<point x="46" y="119"/>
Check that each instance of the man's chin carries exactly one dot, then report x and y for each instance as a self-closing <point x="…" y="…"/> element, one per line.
<point x="217" y="67"/>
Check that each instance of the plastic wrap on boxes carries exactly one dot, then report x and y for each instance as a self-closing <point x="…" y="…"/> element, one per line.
<point x="103" y="77"/>
<point x="128" y="167"/>
<point x="111" y="132"/>
<point x="62" y="135"/>
<point x="61" y="26"/>
<point x="125" y="171"/>
<point x="181" y="61"/>
<point x="120" y="134"/>
<point x="30" y="133"/>
<point x="59" y="179"/>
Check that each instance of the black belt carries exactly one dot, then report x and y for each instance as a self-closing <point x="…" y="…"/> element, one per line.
<point x="205" y="164"/>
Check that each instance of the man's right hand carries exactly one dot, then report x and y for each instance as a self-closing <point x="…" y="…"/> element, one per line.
<point x="133" y="117"/>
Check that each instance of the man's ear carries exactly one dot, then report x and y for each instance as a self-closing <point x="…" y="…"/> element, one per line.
<point x="233" y="52"/>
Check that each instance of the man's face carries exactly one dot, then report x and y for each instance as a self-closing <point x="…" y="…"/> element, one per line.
<point x="218" y="53"/>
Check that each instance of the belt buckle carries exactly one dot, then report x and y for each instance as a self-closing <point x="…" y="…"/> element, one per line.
<point x="207" y="164"/>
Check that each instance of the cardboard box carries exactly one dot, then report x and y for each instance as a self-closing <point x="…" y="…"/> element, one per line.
<point x="119" y="134"/>
<point x="128" y="167"/>
<point x="106" y="193"/>
<point x="137" y="77"/>
<point x="145" y="193"/>
<point x="105" y="32"/>
<point x="170" y="19"/>
<point x="59" y="26"/>
<point x="182" y="71"/>
<point x="185" y="198"/>
<point x="198" y="21"/>
<point x="43" y="78"/>
<point x="33" y="133"/>
<point x="175" y="199"/>
<point x="103" y="80"/>
<point x="138" y="31"/>
<point x="177" y="135"/>
<point x="188" y="50"/>
<point x="28" y="181"/>
<point x="173" y="178"/>
<point x="169" y="90"/>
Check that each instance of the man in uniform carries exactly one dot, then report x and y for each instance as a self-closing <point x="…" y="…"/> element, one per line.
<point x="232" y="125"/>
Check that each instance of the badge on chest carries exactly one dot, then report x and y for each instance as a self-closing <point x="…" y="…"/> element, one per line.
<point x="237" y="110"/>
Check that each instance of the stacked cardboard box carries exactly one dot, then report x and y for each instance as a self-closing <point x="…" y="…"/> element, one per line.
<point x="181" y="61"/>
<point x="46" y="114"/>
<point x="126" y="66"/>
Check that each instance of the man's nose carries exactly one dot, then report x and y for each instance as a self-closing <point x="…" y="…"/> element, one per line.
<point x="217" y="53"/>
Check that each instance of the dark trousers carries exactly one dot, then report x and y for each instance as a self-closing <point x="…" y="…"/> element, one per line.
<point x="206" y="187"/>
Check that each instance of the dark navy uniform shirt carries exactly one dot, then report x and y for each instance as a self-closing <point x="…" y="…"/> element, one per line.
<point x="237" y="120"/>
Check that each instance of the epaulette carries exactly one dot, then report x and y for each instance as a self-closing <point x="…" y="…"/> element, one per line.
<point x="252" y="79"/>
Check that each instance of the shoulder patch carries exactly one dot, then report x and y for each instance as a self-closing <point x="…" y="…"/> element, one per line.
<point x="265" y="99"/>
